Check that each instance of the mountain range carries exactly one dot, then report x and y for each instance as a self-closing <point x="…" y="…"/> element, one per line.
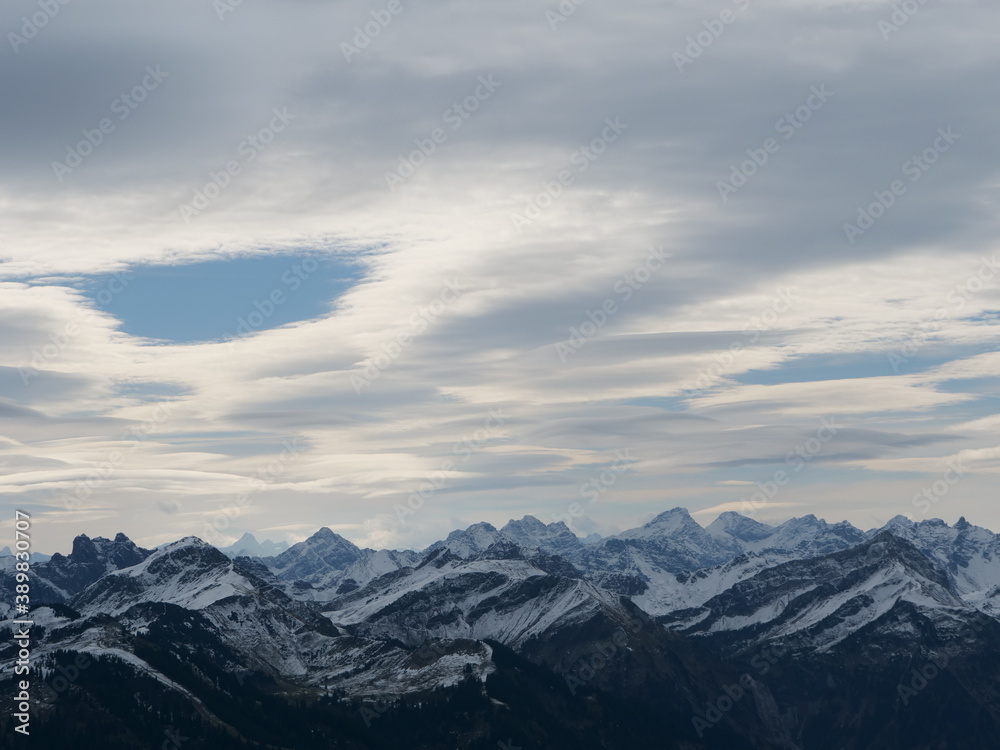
<point x="671" y="635"/>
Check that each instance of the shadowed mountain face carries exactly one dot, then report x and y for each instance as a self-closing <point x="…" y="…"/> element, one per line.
<point x="63" y="576"/>
<point x="804" y="635"/>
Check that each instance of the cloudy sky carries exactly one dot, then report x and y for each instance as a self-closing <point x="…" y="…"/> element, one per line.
<point x="399" y="266"/>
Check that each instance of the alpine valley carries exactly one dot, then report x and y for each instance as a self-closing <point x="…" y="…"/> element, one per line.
<point x="736" y="635"/>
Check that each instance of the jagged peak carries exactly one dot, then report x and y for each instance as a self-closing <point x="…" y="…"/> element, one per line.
<point x="740" y="527"/>
<point x="673" y="512"/>
<point x="731" y="515"/>
<point x="530" y="530"/>
<point x="561" y="527"/>
<point x="188" y="541"/>
<point x="666" y="524"/>
<point x="88" y="547"/>
<point x="184" y="549"/>
<point x="482" y="526"/>
<point x="326" y="537"/>
<point x="528" y="522"/>
<point x="82" y="544"/>
<point x="672" y="519"/>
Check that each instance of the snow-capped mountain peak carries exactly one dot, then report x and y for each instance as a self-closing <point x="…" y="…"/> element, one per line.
<point x="323" y="552"/>
<point x="189" y="572"/>
<point x="248" y="546"/>
<point x="739" y="527"/>
<point x="818" y="602"/>
<point x="968" y="554"/>
<point x="554" y="538"/>
<point x="668" y="523"/>
<point x="471" y="541"/>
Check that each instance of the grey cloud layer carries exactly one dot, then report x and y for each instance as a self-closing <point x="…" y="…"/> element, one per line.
<point x="321" y="183"/>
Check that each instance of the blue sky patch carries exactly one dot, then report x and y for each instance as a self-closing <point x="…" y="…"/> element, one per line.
<point x="222" y="299"/>
<point x="670" y="403"/>
<point x="841" y="367"/>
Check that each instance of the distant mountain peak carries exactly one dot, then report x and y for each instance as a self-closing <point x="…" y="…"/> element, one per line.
<point x="482" y="526"/>
<point x="677" y="512"/>
<point x="323" y="552"/>
<point x="671" y="520"/>
<point x="528" y="521"/>
<point x="667" y="524"/>
<point x="740" y="527"/>
<point x="249" y="546"/>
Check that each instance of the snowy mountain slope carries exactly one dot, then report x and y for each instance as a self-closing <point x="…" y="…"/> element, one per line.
<point x="182" y="652"/>
<point x="259" y="642"/>
<point x="622" y="631"/>
<point x="970" y="555"/>
<point x="666" y="592"/>
<point x="326" y="565"/>
<point x="507" y="600"/>
<point x="254" y="625"/>
<point x="503" y="596"/>
<point x="328" y="585"/>
<point x="675" y="542"/>
<point x="732" y="525"/>
<point x="808" y="536"/>
<point x="672" y="562"/>
<point x="189" y="573"/>
<point x="468" y="542"/>
<point x="814" y="604"/>
<point x="651" y="556"/>
<point x="554" y="538"/>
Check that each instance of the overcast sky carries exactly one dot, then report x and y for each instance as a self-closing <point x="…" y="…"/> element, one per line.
<point x="271" y="266"/>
